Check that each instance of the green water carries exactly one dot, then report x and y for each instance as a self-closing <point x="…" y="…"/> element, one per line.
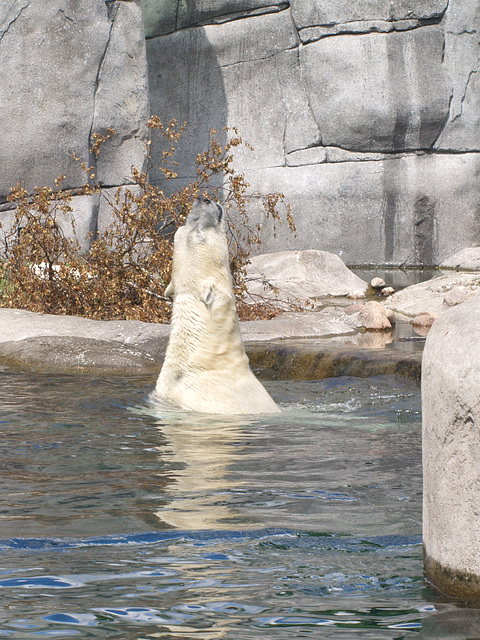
<point x="119" y="523"/>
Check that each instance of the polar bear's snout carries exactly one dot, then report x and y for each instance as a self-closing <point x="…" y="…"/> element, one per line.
<point x="206" y="214"/>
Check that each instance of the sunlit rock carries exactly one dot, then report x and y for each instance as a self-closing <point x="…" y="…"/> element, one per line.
<point x="70" y="70"/>
<point x="373" y="317"/>
<point x="451" y="420"/>
<point x="302" y="276"/>
<point x="467" y="259"/>
<point x="430" y="295"/>
<point x="455" y="296"/>
<point x="377" y="283"/>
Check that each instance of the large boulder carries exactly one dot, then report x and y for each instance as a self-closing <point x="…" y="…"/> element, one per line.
<point x="302" y="275"/>
<point x="451" y="421"/>
<point x="374" y="317"/>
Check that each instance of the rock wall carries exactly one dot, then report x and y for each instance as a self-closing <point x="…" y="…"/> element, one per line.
<point x="365" y="115"/>
<point x="71" y="68"/>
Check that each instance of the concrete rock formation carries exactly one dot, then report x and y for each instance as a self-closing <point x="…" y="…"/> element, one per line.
<point x="69" y="70"/>
<point x="365" y="114"/>
<point x="451" y="419"/>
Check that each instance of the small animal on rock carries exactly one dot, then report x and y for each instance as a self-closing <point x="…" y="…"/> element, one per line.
<point x="206" y="368"/>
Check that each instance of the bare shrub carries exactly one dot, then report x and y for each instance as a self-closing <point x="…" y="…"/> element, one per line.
<point x="124" y="273"/>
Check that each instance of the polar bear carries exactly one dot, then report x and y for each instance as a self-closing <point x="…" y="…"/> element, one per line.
<point x="206" y="368"/>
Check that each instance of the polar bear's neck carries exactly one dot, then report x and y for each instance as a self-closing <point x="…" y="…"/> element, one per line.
<point x="204" y="337"/>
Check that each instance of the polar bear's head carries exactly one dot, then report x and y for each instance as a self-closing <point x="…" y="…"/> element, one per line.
<point x="200" y="255"/>
<point x="206" y="214"/>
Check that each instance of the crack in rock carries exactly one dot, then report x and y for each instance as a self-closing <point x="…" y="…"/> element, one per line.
<point x="215" y="19"/>
<point x="444" y="123"/>
<point x="312" y="34"/>
<point x="112" y="12"/>
<point x="462" y="99"/>
<point x="4" y="30"/>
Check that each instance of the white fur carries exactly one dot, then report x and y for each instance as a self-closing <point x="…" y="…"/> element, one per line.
<point x="206" y="368"/>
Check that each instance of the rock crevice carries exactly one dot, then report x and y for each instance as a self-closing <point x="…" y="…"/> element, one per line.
<point x="9" y="21"/>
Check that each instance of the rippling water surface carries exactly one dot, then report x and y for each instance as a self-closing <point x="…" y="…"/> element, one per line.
<point x="119" y="523"/>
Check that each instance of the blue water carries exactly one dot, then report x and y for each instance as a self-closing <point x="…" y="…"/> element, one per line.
<point x="119" y="523"/>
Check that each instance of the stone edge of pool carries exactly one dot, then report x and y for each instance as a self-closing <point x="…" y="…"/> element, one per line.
<point x="305" y="346"/>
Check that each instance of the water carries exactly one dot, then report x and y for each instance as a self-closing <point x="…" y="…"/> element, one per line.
<point x="116" y="523"/>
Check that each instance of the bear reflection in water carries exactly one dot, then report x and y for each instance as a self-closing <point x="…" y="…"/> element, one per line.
<point x="201" y="452"/>
<point x="206" y="368"/>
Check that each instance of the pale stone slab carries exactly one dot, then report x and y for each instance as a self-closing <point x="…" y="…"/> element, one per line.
<point x="18" y="324"/>
<point x="316" y="324"/>
<point x="401" y="103"/>
<point x="430" y="295"/>
<point x="468" y="259"/>
<point x="326" y="12"/>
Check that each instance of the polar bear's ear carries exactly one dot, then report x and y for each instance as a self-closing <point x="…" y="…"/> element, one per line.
<point x="169" y="290"/>
<point x="208" y="294"/>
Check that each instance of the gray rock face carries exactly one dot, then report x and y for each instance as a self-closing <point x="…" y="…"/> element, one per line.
<point x="324" y="12"/>
<point x="378" y="211"/>
<point x="171" y="15"/>
<point x="70" y="69"/>
<point x="399" y="104"/>
<point x="451" y="418"/>
<point x="364" y="114"/>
